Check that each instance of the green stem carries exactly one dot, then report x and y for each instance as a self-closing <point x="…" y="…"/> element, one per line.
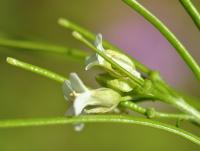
<point x="35" y="69"/>
<point x="187" y="108"/>
<point x="99" y="119"/>
<point x="73" y="26"/>
<point x="168" y="35"/>
<point x="29" y="45"/>
<point x="152" y="113"/>
<point x="192" y="11"/>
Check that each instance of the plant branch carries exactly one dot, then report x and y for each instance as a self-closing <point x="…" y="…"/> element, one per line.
<point x="192" y="11"/>
<point x="29" y="45"/>
<point x="182" y="51"/>
<point x="152" y="113"/>
<point x="36" y="69"/>
<point x="91" y="36"/>
<point x="99" y="119"/>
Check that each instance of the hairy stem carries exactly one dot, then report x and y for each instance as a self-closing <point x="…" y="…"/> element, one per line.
<point x="192" y="11"/>
<point x="182" y="51"/>
<point x="99" y="119"/>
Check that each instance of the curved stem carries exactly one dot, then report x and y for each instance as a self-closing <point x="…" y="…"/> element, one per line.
<point x="30" y="45"/>
<point x="192" y="11"/>
<point x="99" y="119"/>
<point x="75" y="27"/>
<point x="182" y="51"/>
<point x="36" y="69"/>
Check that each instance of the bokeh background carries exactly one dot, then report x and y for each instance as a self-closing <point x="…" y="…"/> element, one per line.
<point x="26" y="95"/>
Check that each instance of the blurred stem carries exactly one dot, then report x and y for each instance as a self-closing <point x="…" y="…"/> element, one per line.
<point x="35" y="69"/>
<point x="192" y="11"/>
<point x="182" y="51"/>
<point x="91" y="36"/>
<point x="99" y="119"/>
<point x="29" y="45"/>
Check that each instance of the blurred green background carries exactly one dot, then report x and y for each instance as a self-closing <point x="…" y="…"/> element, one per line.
<point x="26" y="95"/>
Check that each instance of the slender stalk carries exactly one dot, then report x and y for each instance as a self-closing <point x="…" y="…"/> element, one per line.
<point x="182" y="51"/>
<point x="91" y="36"/>
<point x="192" y="11"/>
<point x="99" y="119"/>
<point x="35" y="69"/>
<point x="79" y="37"/>
<point x="29" y="45"/>
<point x="152" y="113"/>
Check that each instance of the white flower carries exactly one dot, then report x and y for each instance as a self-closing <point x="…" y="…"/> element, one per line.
<point x="82" y="100"/>
<point x="119" y="58"/>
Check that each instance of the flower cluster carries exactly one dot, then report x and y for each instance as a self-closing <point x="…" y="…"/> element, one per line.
<point x="83" y="100"/>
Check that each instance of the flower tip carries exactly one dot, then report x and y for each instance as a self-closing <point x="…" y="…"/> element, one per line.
<point x="99" y="42"/>
<point x="99" y="36"/>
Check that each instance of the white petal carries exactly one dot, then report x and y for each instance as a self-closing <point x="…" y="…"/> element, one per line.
<point x="77" y="84"/>
<point x="79" y="127"/>
<point x="67" y="90"/>
<point x="99" y="42"/>
<point x="91" y="61"/>
<point x="82" y="101"/>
